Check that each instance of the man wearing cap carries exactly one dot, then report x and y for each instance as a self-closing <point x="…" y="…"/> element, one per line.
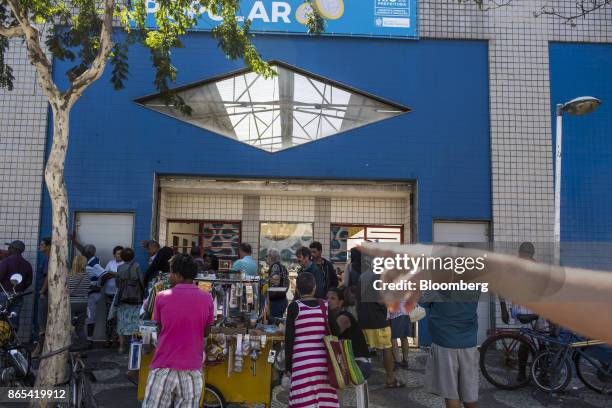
<point x="15" y="264"/>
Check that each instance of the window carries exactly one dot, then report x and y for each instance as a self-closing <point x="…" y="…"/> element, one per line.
<point x="291" y="108"/>
<point x="345" y="237"/>
<point x="219" y="238"/>
<point x="286" y="237"/>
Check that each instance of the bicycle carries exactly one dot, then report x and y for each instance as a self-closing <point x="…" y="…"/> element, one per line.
<point x="552" y="368"/>
<point x="79" y="383"/>
<point x="80" y="394"/>
<point x="507" y="356"/>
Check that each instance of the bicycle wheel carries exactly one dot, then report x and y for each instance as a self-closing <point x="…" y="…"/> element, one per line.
<point x="212" y="397"/>
<point x="551" y="372"/>
<point x="597" y="378"/>
<point x="73" y="392"/>
<point x="88" y="400"/>
<point x="506" y="359"/>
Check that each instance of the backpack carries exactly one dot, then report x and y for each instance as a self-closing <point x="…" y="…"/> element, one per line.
<point x="132" y="290"/>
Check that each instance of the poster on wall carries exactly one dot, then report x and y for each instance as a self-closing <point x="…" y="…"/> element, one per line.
<point x="363" y="18"/>
<point x="286" y="238"/>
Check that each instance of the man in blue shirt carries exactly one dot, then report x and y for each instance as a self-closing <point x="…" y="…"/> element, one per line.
<point x="246" y="263"/>
<point x="452" y="366"/>
<point x="304" y="257"/>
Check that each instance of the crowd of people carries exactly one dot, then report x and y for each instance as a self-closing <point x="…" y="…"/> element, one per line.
<point x="323" y="303"/>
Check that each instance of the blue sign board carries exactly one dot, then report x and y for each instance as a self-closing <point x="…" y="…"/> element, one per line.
<point x="365" y="18"/>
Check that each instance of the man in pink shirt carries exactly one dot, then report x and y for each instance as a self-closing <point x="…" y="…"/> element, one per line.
<point x="183" y="315"/>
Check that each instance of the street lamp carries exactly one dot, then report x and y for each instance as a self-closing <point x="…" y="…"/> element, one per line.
<point x="577" y="107"/>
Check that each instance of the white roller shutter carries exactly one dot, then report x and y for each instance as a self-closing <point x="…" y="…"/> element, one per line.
<point x="105" y="231"/>
<point x="468" y="231"/>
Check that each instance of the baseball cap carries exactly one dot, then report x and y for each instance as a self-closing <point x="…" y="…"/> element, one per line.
<point x="18" y="245"/>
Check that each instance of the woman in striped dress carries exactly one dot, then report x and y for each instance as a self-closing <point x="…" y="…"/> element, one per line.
<point x="306" y="355"/>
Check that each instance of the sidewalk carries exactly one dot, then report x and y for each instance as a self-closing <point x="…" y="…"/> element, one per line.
<point x="113" y="390"/>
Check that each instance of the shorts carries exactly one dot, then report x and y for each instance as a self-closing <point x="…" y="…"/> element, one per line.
<point x="378" y="338"/>
<point x="401" y="327"/>
<point x="168" y="388"/>
<point x="452" y="373"/>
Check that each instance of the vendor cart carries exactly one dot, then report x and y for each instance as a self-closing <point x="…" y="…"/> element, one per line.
<point x="248" y="381"/>
<point x="239" y="388"/>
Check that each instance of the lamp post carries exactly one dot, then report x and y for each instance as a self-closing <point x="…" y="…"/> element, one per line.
<point x="577" y="107"/>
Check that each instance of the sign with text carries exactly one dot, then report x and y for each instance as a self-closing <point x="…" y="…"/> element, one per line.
<point x="363" y="18"/>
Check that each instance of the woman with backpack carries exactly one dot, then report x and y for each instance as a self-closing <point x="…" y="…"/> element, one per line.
<point x="130" y="295"/>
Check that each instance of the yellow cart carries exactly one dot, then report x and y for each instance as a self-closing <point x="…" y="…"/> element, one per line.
<point x="238" y="388"/>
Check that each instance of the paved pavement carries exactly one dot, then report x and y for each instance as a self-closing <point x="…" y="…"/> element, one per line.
<point x="113" y="390"/>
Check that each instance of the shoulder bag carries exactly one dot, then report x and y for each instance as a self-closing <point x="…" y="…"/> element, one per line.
<point x="132" y="290"/>
<point x="338" y="370"/>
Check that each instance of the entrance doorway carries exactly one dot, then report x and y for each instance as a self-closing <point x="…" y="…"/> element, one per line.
<point x="219" y="214"/>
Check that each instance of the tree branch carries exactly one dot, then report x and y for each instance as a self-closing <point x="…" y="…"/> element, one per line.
<point x="583" y="8"/>
<point x="37" y="55"/>
<point x="94" y="72"/>
<point x="11" y="32"/>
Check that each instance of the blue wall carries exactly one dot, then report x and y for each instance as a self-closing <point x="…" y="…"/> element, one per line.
<point x="117" y="146"/>
<point x="586" y="182"/>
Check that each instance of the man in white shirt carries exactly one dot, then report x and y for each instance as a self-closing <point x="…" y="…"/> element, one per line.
<point x="94" y="270"/>
<point x="110" y="288"/>
<point x="110" y="272"/>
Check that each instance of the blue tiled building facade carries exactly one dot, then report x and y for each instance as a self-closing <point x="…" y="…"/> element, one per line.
<point x="442" y="147"/>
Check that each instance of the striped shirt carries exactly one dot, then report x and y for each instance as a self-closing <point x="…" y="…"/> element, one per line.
<point x="79" y="287"/>
<point x="309" y="381"/>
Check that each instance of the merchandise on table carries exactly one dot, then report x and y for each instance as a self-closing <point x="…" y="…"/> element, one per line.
<point x="239" y="348"/>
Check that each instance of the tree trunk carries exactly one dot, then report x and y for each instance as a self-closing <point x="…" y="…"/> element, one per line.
<point x="53" y="370"/>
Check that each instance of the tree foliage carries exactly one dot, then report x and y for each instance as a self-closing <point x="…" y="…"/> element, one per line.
<point x="91" y="34"/>
<point x="570" y="15"/>
<point x="73" y="33"/>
